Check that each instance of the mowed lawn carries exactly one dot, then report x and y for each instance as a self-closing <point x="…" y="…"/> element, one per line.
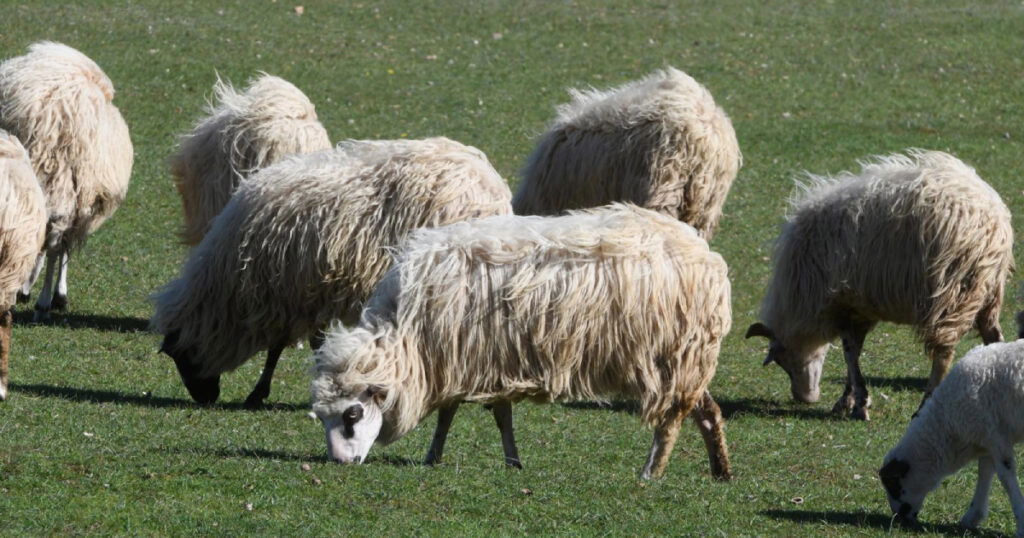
<point x="100" y="437"/>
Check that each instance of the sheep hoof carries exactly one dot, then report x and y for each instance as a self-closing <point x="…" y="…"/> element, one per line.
<point x="59" y="303"/>
<point x="431" y="460"/>
<point x="860" y="413"/>
<point x="253" y="402"/>
<point x="23" y="297"/>
<point x="843" y="406"/>
<point x="513" y="463"/>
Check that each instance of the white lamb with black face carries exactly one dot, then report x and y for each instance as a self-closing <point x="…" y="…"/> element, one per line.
<point x="974" y="414"/>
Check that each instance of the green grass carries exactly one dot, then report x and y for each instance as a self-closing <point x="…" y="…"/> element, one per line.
<point x="99" y="436"/>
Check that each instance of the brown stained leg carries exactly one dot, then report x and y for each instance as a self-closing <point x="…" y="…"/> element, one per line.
<point x="445" y="415"/>
<point x="942" y="357"/>
<point x="665" y="435"/>
<point x="262" y="389"/>
<point x="708" y="417"/>
<point x="855" y="398"/>
<point x="987" y="323"/>
<point x="6" y="320"/>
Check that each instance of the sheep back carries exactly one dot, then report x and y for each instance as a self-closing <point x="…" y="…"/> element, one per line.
<point x="59" y="103"/>
<point x="613" y="301"/>
<point x="305" y="240"/>
<point x="241" y="134"/>
<point x="660" y="142"/>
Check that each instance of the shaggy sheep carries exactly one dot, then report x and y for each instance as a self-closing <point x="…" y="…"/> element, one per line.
<point x="660" y="142"/>
<point x="303" y="242"/>
<point x="59" y="103"/>
<point x="242" y="134"/>
<point x="22" y="230"/>
<point x="917" y="239"/>
<point x="974" y="414"/>
<point x="615" y="301"/>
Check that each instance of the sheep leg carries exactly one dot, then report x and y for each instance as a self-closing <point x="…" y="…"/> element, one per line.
<point x="942" y="358"/>
<point x="1020" y="324"/>
<point x="987" y="322"/>
<point x="60" y="298"/>
<point x="978" y="508"/>
<point x="444" y="422"/>
<point x="25" y="293"/>
<point x="1006" y="470"/>
<point x="262" y="389"/>
<point x="665" y="435"/>
<point x="855" y="399"/>
<point x="503" y="416"/>
<point x="46" y="294"/>
<point x="708" y="417"/>
<point x="6" y="320"/>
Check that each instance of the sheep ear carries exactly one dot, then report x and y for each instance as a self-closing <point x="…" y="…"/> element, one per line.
<point x="760" y="329"/>
<point x="376" y="392"/>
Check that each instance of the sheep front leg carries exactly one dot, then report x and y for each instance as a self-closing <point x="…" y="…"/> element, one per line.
<point x="1006" y="470"/>
<point x="855" y="399"/>
<point x="46" y="294"/>
<point x="445" y="415"/>
<point x="60" y="298"/>
<point x="6" y="321"/>
<point x="708" y="417"/>
<point x="978" y="508"/>
<point x="25" y="293"/>
<point x="503" y="416"/>
<point x="665" y="435"/>
<point x="942" y="358"/>
<point x="262" y="389"/>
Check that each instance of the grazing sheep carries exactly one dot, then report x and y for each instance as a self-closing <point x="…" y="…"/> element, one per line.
<point x="303" y="242"/>
<point x="615" y="301"/>
<point x="242" y="134"/>
<point x="974" y="414"/>
<point x="59" y="103"/>
<point x="917" y="239"/>
<point x="660" y="142"/>
<point x="22" y="230"/>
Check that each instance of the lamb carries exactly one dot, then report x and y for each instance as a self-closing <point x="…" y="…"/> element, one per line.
<point x="614" y="301"/>
<point x="242" y="134"/>
<point x="22" y="230"/>
<point x="59" y="102"/>
<point x="973" y="415"/>
<point x="303" y="242"/>
<point x="916" y="239"/>
<point x="660" y="142"/>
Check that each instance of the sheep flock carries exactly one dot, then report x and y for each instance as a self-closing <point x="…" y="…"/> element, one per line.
<point x="421" y="282"/>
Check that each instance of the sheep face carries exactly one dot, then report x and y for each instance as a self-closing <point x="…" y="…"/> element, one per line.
<point x="803" y="364"/>
<point x="905" y="487"/>
<point x="204" y="390"/>
<point x="351" y="425"/>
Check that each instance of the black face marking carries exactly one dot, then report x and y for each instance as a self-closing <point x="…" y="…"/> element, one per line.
<point x="891" y="475"/>
<point x="904" y="510"/>
<point x="348" y="420"/>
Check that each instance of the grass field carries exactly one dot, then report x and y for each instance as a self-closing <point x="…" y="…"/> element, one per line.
<point x="100" y="437"/>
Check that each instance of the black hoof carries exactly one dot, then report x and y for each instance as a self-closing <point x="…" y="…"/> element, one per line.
<point x="516" y="464"/>
<point x="253" y="402"/>
<point x="59" y="303"/>
<point x="23" y="297"/>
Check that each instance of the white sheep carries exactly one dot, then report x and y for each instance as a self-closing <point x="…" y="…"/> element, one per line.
<point x="660" y="142"/>
<point x="303" y="242"/>
<point x="22" y="230"/>
<point x="918" y="239"/>
<point x="241" y="134"/>
<point x="615" y="301"/>
<point x="59" y="103"/>
<point x="974" y="414"/>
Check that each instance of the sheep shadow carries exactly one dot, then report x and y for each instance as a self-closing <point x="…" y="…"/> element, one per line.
<point x="869" y="520"/>
<point x="763" y="407"/>
<point x="897" y="384"/>
<point x="78" y="321"/>
<point x="74" y="394"/>
<point x="278" y="455"/>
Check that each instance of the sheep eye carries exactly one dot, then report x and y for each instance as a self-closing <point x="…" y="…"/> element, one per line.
<point x="353" y="414"/>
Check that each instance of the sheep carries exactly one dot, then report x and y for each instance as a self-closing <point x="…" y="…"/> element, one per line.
<point x="660" y="142"/>
<point x="916" y="239"/>
<point x="22" y="230"/>
<point x="974" y="414"/>
<point x="242" y="134"/>
<point x="614" y="301"/>
<point x="303" y="242"/>
<point x="59" y="103"/>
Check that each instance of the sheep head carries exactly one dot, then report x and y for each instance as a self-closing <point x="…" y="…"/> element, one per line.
<point x="802" y="364"/>
<point x="352" y="421"/>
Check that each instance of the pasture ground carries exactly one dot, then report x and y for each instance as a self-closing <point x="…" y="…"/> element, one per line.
<point x="99" y="436"/>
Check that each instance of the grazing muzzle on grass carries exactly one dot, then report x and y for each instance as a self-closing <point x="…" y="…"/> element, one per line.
<point x="204" y="391"/>
<point x="904" y="504"/>
<point x="803" y="366"/>
<point x="351" y="427"/>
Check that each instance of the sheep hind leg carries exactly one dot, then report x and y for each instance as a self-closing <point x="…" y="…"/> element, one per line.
<point x="708" y="417"/>
<point x="445" y="415"/>
<point x="6" y="320"/>
<point x="855" y="399"/>
<point x="25" y="293"/>
<point x="1020" y="324"/>
<point x="60" y="298"/>
<point x="45" y="300"/>
<point x="503" y="417"/>
<point x="665" y="435"/>
<point x="262" y="389"/>
<point x="978" y="508"/>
